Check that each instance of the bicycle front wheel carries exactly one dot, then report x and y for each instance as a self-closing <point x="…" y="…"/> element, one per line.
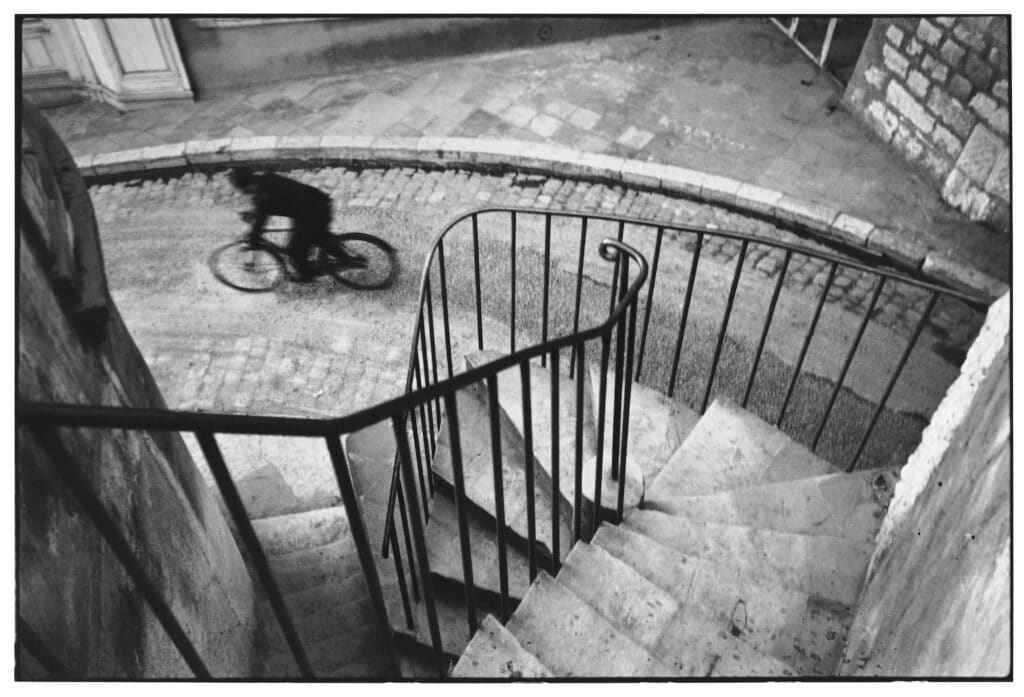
<point x="247" y="268"/>
<point x="377" y="262"/>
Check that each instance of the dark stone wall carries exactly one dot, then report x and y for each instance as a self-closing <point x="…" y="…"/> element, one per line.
<point x="223" y="58"/>
<point x="73" y="593"/>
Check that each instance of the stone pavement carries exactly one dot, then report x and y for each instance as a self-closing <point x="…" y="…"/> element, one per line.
<point x="726" y="97"/>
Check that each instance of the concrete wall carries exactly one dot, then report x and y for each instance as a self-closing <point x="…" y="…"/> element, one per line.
<point x="72" y="590"/>
<point x="937" y="598"/>
<point x="225" y="57"/>
<point x="937" y="89"/>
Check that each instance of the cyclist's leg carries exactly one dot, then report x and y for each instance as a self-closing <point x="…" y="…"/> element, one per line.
<point x="298" y="249"/>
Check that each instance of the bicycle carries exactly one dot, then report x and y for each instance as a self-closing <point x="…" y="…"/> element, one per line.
<point x="260" y="266"/>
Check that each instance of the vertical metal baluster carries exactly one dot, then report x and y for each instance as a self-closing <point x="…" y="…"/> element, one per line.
<point x="460" y="508"/>
<point x="892" y="381"/>
<point x="556" y="467"/>
<point x="233" y="501"/>
<point x="403" y="587"/>
<point x="476" y="279"/>
<point x="577" y="498"/>
<point x="433" y="347"/>
<point x="725" y="325"/>
<point x="624" y="440"/>
<point x="620" y="348"/>
<point x="615" y="272"/>
<point x="547" y="283"/>
<point x="767" y="326"/>
<point x="499" y="493"/>
<point x="362" y="543"/>
<point x="601" y="411"/>
<point x="807" y="340"/>
<point x="579" y="290"/>
<point x="846" y="363"/>
<point x="512" y="297"/>
<point x="431" y="438"/>
<point x="420" y="541"/>
<point x="686" y="312"/>
<point x="650" y="299"/>
<point x="408" y="537"/>
<point x="426" y="452"/>
<point x="531" y="492"/>
<point x="444" y="308"/>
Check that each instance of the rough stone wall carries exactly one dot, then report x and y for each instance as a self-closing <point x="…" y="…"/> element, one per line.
<point x="937" y="598"/>
<point x="73" y="593"/>
<point x="937" y="89"/>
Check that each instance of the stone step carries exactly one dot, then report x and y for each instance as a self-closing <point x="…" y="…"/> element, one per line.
<point x="731" y="448"/>
<point x="510" y="400"/>
<point x="333" y="562"/>
<point x="804" y="631"/>
<point x="452" y="617"/>
<point x="690" y="643"/>
<point x="850" y="505"/>
<point x="573" y="639"/>
<point x="478" y="472"/>
<point x="830" y="567"/>
<point x="297" y="531"/>
<point x="444" y="550"/>
<point x="657" y="425"/>
<point x="495" y="653"/>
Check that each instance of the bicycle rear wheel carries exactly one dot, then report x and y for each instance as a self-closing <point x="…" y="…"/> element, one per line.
<point x="252" y="269"/>
<point x="378" y="265"/>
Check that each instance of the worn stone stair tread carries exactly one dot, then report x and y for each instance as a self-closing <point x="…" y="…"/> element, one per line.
<point x="691" y="640"/>
<point x="827" y="566"/>
<point x="320" y="612"/>
<point x="478" y="473"/>
<point x="657" y="425"/>
<point x="495" y="653"/>
<point x="451" y="617"/>
<point x="634" y="605"/>
<point x="731" y="448"/>
<point x="332" y="654"/>
<point x="510" y="401"/>
<point x="297" y="531"/>
<point x="573" y="639"/>
<point x="445" y="552"/>
<point x="849" y="505"/>
<point x="333" y="562"/>
<point x="805" y="631"/>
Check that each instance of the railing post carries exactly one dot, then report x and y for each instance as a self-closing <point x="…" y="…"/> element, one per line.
<point x="444" y="307"/>
<point x="577" y="503"/>
<point x="476" y="280"/>
<point x="601" y="411"/>
<point x="531" y="493"/>
<point x="512" y="296"/>
<point x="362" y="543"/>
<point x="725" y="324"/>
<point x="419" y="541"/>
<point x="547" y="282"/>
<point x="686" y="312"/>
<point x="499" y="492"/>
<point x="650" y="300"/>
<point x="556" y="466"/>
<point x="259" y="560"/>
<point x="455" y="444"/>
<point x="624" y="441"/>
<point x="767" y="326"/>
<point x="579" y="289"/>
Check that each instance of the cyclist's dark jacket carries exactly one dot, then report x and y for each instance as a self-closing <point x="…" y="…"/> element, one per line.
<point x="309" y="207"/>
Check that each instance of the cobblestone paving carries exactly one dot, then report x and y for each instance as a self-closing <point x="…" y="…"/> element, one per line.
<point x="447" y="192"/>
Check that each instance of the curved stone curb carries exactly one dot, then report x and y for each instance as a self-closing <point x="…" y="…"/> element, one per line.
<point x="817" y="218"/>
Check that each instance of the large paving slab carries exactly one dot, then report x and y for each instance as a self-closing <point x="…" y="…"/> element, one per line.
<point x="830" y="567"/>
<point x="731" y="448"/>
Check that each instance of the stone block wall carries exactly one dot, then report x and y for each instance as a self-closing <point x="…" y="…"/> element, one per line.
<point x="937" y="89"/>
<point x="937" y="599"/>
<point x="74" y="596"/>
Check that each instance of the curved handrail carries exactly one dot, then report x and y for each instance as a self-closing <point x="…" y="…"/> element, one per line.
<point x="610" y="250"/>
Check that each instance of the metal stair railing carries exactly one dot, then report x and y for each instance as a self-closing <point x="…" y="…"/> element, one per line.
<point x="489" y="242"/>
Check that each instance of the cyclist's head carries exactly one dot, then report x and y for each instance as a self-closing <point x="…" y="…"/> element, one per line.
<point x="241" y="177"/>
